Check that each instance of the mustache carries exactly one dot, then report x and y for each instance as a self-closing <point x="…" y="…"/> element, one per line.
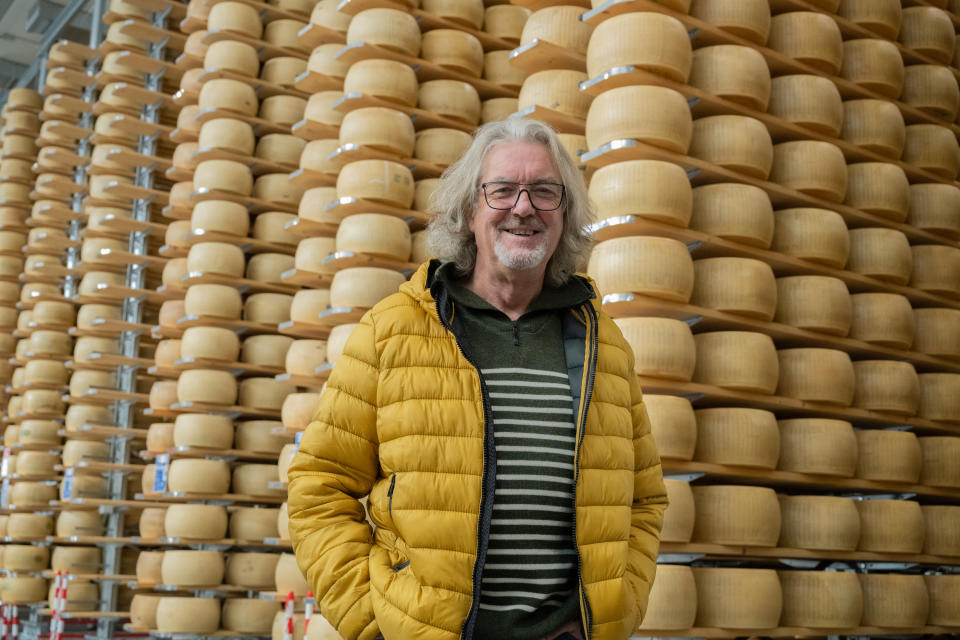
<point x="526" y="225"/>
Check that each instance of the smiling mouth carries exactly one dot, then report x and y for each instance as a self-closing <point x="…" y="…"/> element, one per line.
<point x="522" y="232"/>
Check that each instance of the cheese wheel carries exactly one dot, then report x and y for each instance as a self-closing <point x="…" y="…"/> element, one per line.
<point x="649" y="41"/>
<point x="875" y="65"/>
<point x="282" y="110"/>
<point x="678" y="519"/>
<point x="160" y="437"/>
<point x="220" y="215"/>
<point x="78" y="523"/>
<point x="198" y="476"/>
<point x="673" y="425"/>
<point x="741" y="286"/>
<point x="821" y="599"/>
<point x="737" y="598"/>
<point x="170" y="311"/>
<point x="143" y="611"/>
<point x="818" y="446"/>
<point x="270" y="227"/>
<point x="385" y="79"/>
<point x="645" y="188"/>
<point x="269" y="267"/>
<point x="253" y="523"/>
<point x="380" y="128"/>
<point x="257" y="435"/>
<point x="83" y="381"/>
<point x="75" y="559"/>
<point x="662" y="347"/>
<point x="41" y="401"/>
<point x="419" y="250"/>
<point x="931" y="88"/>
<point x="196" y="521"/>
<point x="498" y="69"/>
<point x="88" y="345"/>
<point x="187" y="568"/>
<point x="748" y="19"/>
<point x="325" y="13"/>
<point x="253" y="480"/>
<point x="207" y="386"/>
<point x="388" y="28"/>
<point x="188" y="615"/>
<point x="363" y="287"/>
<point x="210" y="343"/>
<point x="933" y="148"/>
<point x="378" y="180"/>
<point x="939" y="399"/>
<point x="880" y="253"/>
<point x="824" y="523"/>
<point x="288" y="576"/>
<point x="649" y="114"/>
<point x="227" y="134"/>
<point x="313" y="206"/>
<point x="216" y="300"/>
<point x="880" y="188"/>
<point x="646" y="265"/>
<point x="735" y="73"/>
<point x="218" y="258"/>
<point x="282" y="32"/>
<point x="308" y="304"/>
<point x="886" y="385"/>
<point x="814" y="303"/>
<point x="268" y="308"/>
<point x="39" y="432"/>
<point x="880" y="16"/>
<point x="237" y="17"/>
<point x="266" y="350"/>
<point x="203" y="430"/>
<point x="737" y="143"/>
<point x="557" y="90"/>
<point x="931" y="208"/>
<point x="263" y="393"/>
<point x="505" y="21"/>
<point x="298" y="409"/>
<point x="283" y="70"/>
<point x="498" y="109"/>
<point x="817" y="235"/>
<point x="22" y="589"/>
<point x="249" y="615"/>
<point x="151" y="523"/>
<point x="937" y="331"/>
<point x="742" y="360"/>
<point x="936" y="268"/>
<point x="316" y="157"/>
<point x="736" y="515"/>
<point x="811" y="167"/>
<point x="25" y="557"/>
<point x="168" y="352"/>
<point x="286" y="457"/>
<point x="50" y="342"/>
<point x="890" y="526"/>
<point x="225" y="175"/>
<point x="52" y="372"/>
<point x="26" y="99"/>
<point x="944" y="591"/>
<point x="54" y="313"/>
<point x="882" y="318"/>
<point x="811" y="38"/>
<point x="816" y="375"/>
<point x="452" y="99"/>
<point x="230" y="55"/>
<point x="875" y="125"/>
<point x="939" y="452"/>
<point x="231" y="95"/>
<point x="737" y="212"/>
<point x="337" y="340"/>
<point x="673" y="599"/>
<point x="928" y="31"/>
<point x="891" y="456"/>
<point x="742" y="437"/>
<point x="940" y="526"/>
<point x="76" y="450"/>
<point x="80" y="414"/>
<point x="276" y="188"/>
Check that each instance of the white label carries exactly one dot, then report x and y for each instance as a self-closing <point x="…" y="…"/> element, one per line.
<point x="160" y="475"/>
<point x="4" y="491"/>
<point x="296" y="440"/>
<point x="5" y="465"/>
<point x="68" y="483"/>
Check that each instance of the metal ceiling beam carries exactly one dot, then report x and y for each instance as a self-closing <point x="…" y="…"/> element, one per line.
<point x="52" y="33"/>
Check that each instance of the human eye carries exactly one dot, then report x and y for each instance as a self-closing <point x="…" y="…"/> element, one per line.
<point x="502" y="188"/>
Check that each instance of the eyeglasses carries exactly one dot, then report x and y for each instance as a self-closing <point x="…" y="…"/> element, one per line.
<point x="544" y="196"/>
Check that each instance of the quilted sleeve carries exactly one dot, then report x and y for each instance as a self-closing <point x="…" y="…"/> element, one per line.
<point x="336" y="465"/>
<point x="649" y="502"/>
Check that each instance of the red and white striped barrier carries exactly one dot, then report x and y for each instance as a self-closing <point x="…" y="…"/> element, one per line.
<point x="307" y="612"/>
<point x="288" y="617"/>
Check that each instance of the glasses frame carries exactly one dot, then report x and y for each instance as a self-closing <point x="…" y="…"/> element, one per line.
<point x="520" y="192"/>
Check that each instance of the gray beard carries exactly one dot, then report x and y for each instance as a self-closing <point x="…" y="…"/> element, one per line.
<point x="520" y="260"/>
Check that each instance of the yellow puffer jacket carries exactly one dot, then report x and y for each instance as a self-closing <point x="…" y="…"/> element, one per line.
<point x="402" y="419"/>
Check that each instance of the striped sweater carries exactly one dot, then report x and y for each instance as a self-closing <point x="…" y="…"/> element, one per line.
<point x="529" y="579"/>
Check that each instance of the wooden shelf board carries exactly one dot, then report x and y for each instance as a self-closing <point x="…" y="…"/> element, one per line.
<point x="260" y="126"/>
<point x="304" y="330"/>
<point x="265" y="50"/>
<point x="308" y="179"/>
<point x="313" y="82"/>
<point x="348" y="206"/>
<point x="313" y="35"/>
<point x="254" y="205"/>
<point x="421" y="118"/>
<point x="252" y="286"/>
<point x="311" y="130"/>
<point x="143" y="31"/>
<point x="246" y="244"/>
<point x="543" y="55"/>
<point x="241" y="327"/>
<point x="239" y="455"/>
<point x="311" y="228"/>
<point x="235" y="368"/>
<point x="262" y="88"/>
<point x="258" y="166"/>
<point x="315" y="381"/>
<point x="354" y="152"/>
<point x="183" y="497"/>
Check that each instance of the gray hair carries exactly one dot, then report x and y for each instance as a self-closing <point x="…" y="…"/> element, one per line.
<point x="454" y="203"/>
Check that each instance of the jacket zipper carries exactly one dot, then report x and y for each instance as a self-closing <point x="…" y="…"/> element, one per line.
<point x="393" y="483"/>
<point x="486" y="488"/>
<point x="590" y="367"/>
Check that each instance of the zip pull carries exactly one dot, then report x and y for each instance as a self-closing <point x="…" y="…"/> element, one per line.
<point x="516" y="334"/>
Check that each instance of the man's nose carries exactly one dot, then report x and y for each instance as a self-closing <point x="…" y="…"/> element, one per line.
<point x="524" y="204"/>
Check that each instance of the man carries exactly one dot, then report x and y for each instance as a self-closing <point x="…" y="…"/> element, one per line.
<point x="491" y="413"/>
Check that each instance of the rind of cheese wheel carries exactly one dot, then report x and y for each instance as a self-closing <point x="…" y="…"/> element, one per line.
<point x="931" y="88"/>
<point x="253" y="480"/>
<point x="388" y="28"/>
<point x="743" y="360"/>
<point x="939" y="454"/>
<point x="498" y="109"/>
<point x="419" y="250"/>
<point x="143" y="611"/>
<point x="196" y="521"/>
<point x="286" y="457"/>
<point x="646" y="188"/>
<point x="337" y="340"/>
<point x="811" y="167"/>
<point x="298" y="410"/>
<point x="258" y="436"/>
<point x="735" y="73"/>
<point x="55" y="313"/>
<point x="654" y="115"/>
<point x="42" y="401"/>
<point x="662" y="347"/>
<point x="74" y="559"/>
<point x="80" y="414"/>
<point x="236" y="17"/>
<point x="173" y="274"/>
<point x="815" y="303"/>
<point x="498" y="69"/>
<point x="231" y="95"/>
<point x="253" y="523"/>
<point x="214" y="343"/>
<point x="29" y="525"/>
<point x="385" y="79"/>
<point x="214" y="300"/>
<point x="876" y="125"/>
<point x="560" y="26"/>
<point x="222" y="216"/>
<point x="827" y="523"/>
<point x="886" y="386"/>
<point x="377" y="180"/>
<point x="821" y="599"/>
<point x="207" y="386"/>
<point x="270" y="227"/>
<point x="288" y="576"/>
<point x="316" y="157"/>
<point x="319" y="108"/>
<point x="280" y="147"/>
<point x="673" y="599"/>
<point x="880" y="253"/>
<point x="79" y="523"/>
<point x="228" y="134"/>
<point x="52" y="342"/>
<point x="266" y="350"/>
<point x="931" y="208"/>
<point x="39" y="432"/>
<point x="88" y="345"/>
<point x="893" y="456"/>
<point x="283" y="110"/>
<point x="76" y="450"/>
<point x="25" y="557"/>
<point x="249" y="615"/>
<point x="363" y="287"/>
<point x="217" y="258"/>
<point x="192" y="568"/>
<point x="441" y="146"/>
<point x="311" y="253"/>
<point x="880" y="188"/>
<point x="737" y="598"/>
<point x="188" y="615"/>
<point x="936" y="268"/>
<point x="883" y="17"/>
<point x="23" y="589"/>
<point x="313" y="206"/>
<point x="939" y="396"/>
<point x="929" y="31"/>
<point x="325" y="12"/>
<point x="45" y="372"/>
<point x="80" y="595"/>
<point x="944" y="593"/>
<point x="276" y="188"/>
<point x="268" y="267"/>
<point x="234" y="56"/>
<point x="167" y="352"/>
<point x="742" y="286"/>
<point x="817" y="375"/>
<point x="32" y="290"/>
<point x="225" y="175"/>
<point x="203" y="430"/>
<point x="873" y="64"/>
<point x="818" y="446"/>
<point x="648" y="41"/>
<point x="264" y="393"/>
<point x="305" y="356"/>
<point x="818" y="235"/>
<point x="453" y="49"/>
<point x="679" y="517"/>
<point x="282" y="32"/>
<point x="647" y="265"/>
<point x="890" y="526"/>
<point x="749" y="19"/>
<point x="468" y="13"/>
<point x="308" y="304"/>
<point x="375" y="234"/>
<point x="283" y="70"/>
<point x="82" y="381"/>
<point x="737" y="143"/>
<point x="727" y="514"/>
<point x="269" y="308"/>
<point x="151" y="523"/>
<point x="380" y="128"/>
<point x="451" y="98"/>
<point x="883" y="318"/>
<point x="940" y="524"/>
<point x="558" y="90"/>
<point x="738" y="436"/>
<point x="198" y="476"/>
<point x="92" y="279"/>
